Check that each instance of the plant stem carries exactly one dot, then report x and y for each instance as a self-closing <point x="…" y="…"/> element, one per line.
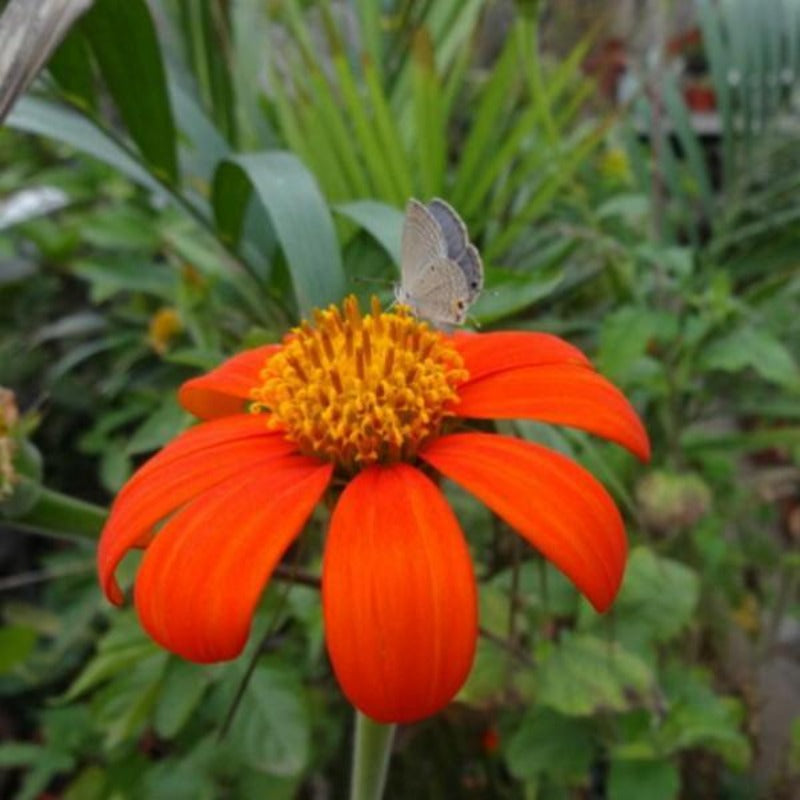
<point x="371" y="751"/>
<point x="58" y="514"/>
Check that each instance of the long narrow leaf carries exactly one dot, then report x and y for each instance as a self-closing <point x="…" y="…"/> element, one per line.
<point x="383" y="222"/>
<point x="123" y="39"/>
<point x="430" y="123"/>
<point x="488" y="118"/>
<point x="48" y="119"/>
<point x="298" y="213"/>
<point x="389" y="133"/>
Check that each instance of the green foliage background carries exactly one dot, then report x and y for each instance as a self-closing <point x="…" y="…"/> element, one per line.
<point x="225" y="168"/>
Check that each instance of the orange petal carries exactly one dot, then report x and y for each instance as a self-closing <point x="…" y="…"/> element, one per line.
<point x="205" y="435"/>
<point x="486" y="353"/>
<point x="224" y="390"/>
<point x="552" y="502"/>
<point x="398" y="595"/>
<point x="197" y="460"/>
<point x="565" y="394"/>
<point x="203" y="574"/>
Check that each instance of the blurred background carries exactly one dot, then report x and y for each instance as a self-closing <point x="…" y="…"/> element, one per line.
<point x="188" y="179"/>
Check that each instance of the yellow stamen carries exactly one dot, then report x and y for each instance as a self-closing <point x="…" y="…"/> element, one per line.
<point x="359" y="389"/>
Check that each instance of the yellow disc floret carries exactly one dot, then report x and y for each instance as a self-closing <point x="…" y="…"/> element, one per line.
<point x="359" y="390"/>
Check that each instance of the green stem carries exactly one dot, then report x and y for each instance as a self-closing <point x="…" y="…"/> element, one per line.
<point x="371" y="751"/>
<point x="59" y="514"/>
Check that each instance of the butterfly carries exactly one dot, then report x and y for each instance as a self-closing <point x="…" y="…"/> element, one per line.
<point x="441" y="273"/>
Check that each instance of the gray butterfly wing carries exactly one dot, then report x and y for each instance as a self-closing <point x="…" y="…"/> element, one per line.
<point x="29" y="33"/>
<point x="453" y="227"/>
<point x="439" y="293"/>
<point x="472" y="267"/>
<point x="422" y="241"/>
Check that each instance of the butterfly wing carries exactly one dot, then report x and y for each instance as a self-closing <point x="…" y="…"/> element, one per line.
<point x="472" y="267"/>
<point x="453" y="228"/>
<point x="439" y="293"/>
<point x="422" y="241"/>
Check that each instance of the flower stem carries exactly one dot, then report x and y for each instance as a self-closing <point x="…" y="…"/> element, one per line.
<point x="58" y="514"/>
<point x="371" y="750"/>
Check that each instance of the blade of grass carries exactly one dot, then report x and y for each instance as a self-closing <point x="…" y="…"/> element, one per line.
<point x="500" y="161"/>
<point x="333" y="121"/>
<point x="451" y="27"/>
<point x="388" y="133"/>
<point x="527" y="40"/>
<point x="430" y="123"/>
<point x="545" y="192"/>
<point x="288" y="117"/>
<point x="369" y="17"/>
<point x="486" y="122"/>
<point x="366" y="139"/>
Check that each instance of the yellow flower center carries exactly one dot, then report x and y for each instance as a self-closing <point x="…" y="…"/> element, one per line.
<point x="357" y="389"/>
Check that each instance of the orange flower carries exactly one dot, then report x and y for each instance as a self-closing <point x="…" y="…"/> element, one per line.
<point x="377" y="401"/>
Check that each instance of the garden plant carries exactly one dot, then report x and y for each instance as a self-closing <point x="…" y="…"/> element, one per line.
<point x="283" y="517"/>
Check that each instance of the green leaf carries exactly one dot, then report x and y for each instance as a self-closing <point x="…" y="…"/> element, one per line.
<point x="89" y="784"/>
<point x="490" y="676"/>
<point x="748" y="347"/>
<point x="123" y="39"/>
<point x="624" y="338"/>
<point x="657" y="599"/>
<point x="430" y="122"/>
<point x="71" y="67"/>
<point x="383" y="222"/>
<point x="271" y="729"/>
<point x="45" y="118"/>
<point x="16" y="644"/>
<point x="19" y="754"/>
<point x="163" y="424"/>
<point x="298" y="213"/>
<point x="116" y="466"/>
<point x="509" y="292"/>
<point x="203" y="146"/>
<point x="584" y="674"/>
<point x="122" y="707"/>
<point x="107" y="664"/>
<point x="184" y="687"/>
<point x="488" y="111"/>
<point x="111" y="275"/>
<point x="548" y="742"/>
<point x="698" y="717"/>
<point x="124" y="646"/>
<point x="121" y="228"/>
<point x="633" y="780"/>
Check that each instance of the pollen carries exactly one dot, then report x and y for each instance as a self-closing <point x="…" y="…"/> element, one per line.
<point x="359" y="389"/>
